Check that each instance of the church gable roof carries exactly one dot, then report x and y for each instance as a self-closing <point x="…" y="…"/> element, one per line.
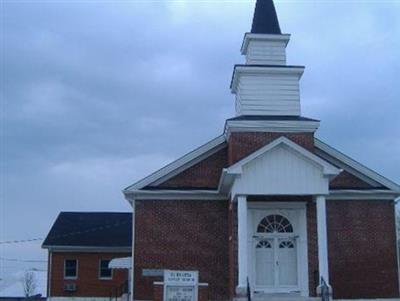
<point x="178" y="166"/>
<point x="201" y="170"/>
<point x="281" y="167"/>
<point x="352" y="167"/>
<point x="203" y="175"/>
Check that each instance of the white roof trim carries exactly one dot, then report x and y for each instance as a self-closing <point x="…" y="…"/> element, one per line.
<point x="57" y="248"/>
<point x="167" y="194"/>
<point x="179" y="165"/>
<point x="356" y="165"/>
<point x="328" y="169"/>
<point x="283" y="126"/>
<point x="264" y="37"/>
<point x="354" y="194"/>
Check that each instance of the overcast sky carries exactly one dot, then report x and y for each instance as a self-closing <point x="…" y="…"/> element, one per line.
<point x="97" y="94"/>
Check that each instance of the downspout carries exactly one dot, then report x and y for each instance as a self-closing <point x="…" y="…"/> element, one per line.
<point x="396" y="217"/>
<point x="49" y="264"/>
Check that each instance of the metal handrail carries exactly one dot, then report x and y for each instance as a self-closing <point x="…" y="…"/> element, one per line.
<point x="248" y="290"/>
<point x="325" y="294"/>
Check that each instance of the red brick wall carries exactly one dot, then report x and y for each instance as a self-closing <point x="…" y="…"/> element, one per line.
<point x="312" y="237"/>
<point x="88" y="282"/>
<point x="204" y="174"/>
<point x="191" y="235"/>
<point x="346" y="180"/>
<point x="241" y="144"/>
<point x="233" y="249"/>
<point x="362" y="249"/>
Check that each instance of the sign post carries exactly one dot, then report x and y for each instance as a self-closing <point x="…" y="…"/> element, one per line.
<point x="181" y="285"/>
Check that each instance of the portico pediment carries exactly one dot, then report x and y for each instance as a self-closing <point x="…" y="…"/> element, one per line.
<point x="280" y="168"/>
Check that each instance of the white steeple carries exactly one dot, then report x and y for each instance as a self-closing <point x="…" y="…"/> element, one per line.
<point x="266" y="85"/>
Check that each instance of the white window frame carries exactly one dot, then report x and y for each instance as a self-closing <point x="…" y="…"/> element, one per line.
<point x="76" y="269"/>
<point x="112" y="272"/>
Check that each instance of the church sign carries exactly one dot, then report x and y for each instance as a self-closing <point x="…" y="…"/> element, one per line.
<point x="181" y="285"/>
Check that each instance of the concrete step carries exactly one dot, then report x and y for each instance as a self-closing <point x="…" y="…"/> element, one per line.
<point x="278" y="297"/>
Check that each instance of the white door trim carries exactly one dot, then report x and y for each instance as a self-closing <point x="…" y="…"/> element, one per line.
<point x="301" y="241"/>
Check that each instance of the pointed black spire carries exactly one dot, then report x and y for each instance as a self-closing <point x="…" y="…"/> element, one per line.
<point x="265" y="19"/>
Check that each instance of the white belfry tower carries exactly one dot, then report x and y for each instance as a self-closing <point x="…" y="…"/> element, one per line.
<point x="266" y="85"/>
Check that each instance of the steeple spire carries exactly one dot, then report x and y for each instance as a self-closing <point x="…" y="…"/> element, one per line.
<point x="265" y="20"/>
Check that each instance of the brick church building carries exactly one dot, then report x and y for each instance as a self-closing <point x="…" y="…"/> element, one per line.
<point x="266" y="203"/>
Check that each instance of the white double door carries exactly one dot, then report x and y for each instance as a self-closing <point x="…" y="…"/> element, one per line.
<point x="275" y="263"/>
<point x="275" y="250"/>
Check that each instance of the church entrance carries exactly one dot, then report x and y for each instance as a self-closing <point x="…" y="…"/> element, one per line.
<point x="274" y="251"/>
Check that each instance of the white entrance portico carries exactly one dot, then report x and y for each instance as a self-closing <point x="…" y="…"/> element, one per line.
<point x="272" y="236"/>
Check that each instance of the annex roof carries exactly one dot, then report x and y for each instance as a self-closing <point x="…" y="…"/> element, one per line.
<point x="91" y="229"/>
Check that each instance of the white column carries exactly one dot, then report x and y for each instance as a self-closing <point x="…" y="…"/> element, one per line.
<point x="322" y="239"/>
<point x="242" y="243"/>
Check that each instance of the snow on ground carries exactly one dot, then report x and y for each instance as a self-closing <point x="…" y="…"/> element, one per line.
<point x="14" y="288"/>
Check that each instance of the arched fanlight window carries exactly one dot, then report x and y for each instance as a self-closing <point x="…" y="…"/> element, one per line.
<point x="275" y="223"/>
<point x="264" y="244"/>
<point x="287" y="244"/>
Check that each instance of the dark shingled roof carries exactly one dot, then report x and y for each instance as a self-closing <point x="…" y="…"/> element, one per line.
<point x="271" y="117"/>
<point x="91" y="229"/>
<point x="265" y="19"/>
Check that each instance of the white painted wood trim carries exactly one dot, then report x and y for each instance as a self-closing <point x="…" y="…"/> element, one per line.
<point x="322" y="238"/>
<point x="251" y="69"/>
<point x="354" y="194"/>
<point x="242" y="241"/>
<point x="88" y="249"/>
<point x="356" y="165"/>
<point x="328" y="169"/>
<point x="163" y="194"/>
<point x="248" y="36"/>
<point x="182" y="163"/>
<point x="279" y="126"/>
<point x="302" y="240"/>
<point x="274" y="205"/>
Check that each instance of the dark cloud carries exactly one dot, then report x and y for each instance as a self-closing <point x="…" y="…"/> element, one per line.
<point x="98" y="94"/>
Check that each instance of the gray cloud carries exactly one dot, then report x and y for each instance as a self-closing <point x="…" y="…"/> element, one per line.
<point x="98" y="94"/>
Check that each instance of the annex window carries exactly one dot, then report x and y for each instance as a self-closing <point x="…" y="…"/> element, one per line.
<point x="71" y="268"/>
<point x="105" y="271"/>
<point x="275" y="223"/>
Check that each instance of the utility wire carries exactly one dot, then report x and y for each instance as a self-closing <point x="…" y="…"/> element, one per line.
<point x="22" y="260"/>
<point x="20" y="241"/>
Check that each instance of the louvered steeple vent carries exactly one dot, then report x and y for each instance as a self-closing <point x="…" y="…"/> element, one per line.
<point x="266" y="85"/>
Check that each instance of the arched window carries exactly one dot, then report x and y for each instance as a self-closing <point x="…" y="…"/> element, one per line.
<point x="275" y="223"/>
<point x="264" y="244"/>
<point x="286" y="244"/>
